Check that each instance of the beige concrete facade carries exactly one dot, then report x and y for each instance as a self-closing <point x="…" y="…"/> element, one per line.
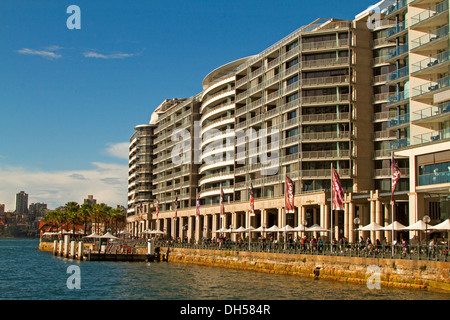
<point x="334" y="92"/>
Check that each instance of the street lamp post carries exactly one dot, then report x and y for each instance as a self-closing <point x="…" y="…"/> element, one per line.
<point x="356" y="221"/>
<point x="427" y="220"/>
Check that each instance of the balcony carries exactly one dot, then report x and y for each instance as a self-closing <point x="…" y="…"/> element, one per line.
<point x="384" y="135"/>
<point x="398" y="121"/>
<point x="324" y="45"/>
<point x="398" y="75"/>
<point x="431" y="42"/>
<point x="434" y="178"/>
<point x="326" y="99"/>
<point x="380" y="98"/>
<point x="429" y="67"/>
<point x="396" y="8"/>
<point x="398" y="98"/>
<point x="436" y="15"/>
<point x="325" y="81"/>
<point x="331" y="135"/>
<point x="326" y="63"/>
<point x="397" y="30"/>
<point x="432" y="137"/>
<point x="210" y="98"/>
<point x="325" y="154"/>
<point x="387" y="172"/>
<point x="425" y="92"/>
<point x="323" y="173"/>
<point x="381" y="60"/>
<point x="397" y="53"/>
<point x="429" y="116"/>
<point x="398" y="144"/>
<point x="325" y="117"/>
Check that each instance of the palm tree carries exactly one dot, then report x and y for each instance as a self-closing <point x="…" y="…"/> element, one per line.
<point x="118" y="218"/>
<point x="99" y="214"/>
<point x="72" y="214"/>
<point x="85" y="213"/>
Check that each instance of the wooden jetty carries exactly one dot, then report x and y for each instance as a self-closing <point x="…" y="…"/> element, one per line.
<point x="62" y="249"/>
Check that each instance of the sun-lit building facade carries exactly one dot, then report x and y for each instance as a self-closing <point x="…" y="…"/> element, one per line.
<point x="330" y="94"/>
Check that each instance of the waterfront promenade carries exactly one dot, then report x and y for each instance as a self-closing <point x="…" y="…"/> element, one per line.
<point x="418" y="267"/>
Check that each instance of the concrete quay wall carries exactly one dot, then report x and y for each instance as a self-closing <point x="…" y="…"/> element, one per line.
<point x="414" y="274"/>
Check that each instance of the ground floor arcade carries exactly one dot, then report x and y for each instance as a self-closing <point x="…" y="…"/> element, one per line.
<point x="310" y="209"/>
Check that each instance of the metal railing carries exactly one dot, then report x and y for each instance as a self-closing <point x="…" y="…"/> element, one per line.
<point x="410" y="252"/>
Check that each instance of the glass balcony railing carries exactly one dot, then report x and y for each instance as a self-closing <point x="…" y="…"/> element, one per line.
<point x="429" y="13"/>
<point x="431" y="112"/>
<point x="397" y="51"/>
<point x="396" y="7"/>
<point x="398" y="97"/>
<point x="431" y="62"/>
<point x="397" y="74"/>
<point x="429" y="37"/>
<point x="402" y="26"/>
<point x="432" y="137"/>
<point x="431" y="86"/>
<point x="397" y="121"/>
<point x="434" y="178"/>
<point x="398" y="144"/>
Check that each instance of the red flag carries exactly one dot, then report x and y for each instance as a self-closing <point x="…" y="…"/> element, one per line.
<point x="222" y="209"/>
<point x="289" y="195"/>
<point x="176" y="206"/>
<point x="252" y="201"/>
<point x="396" y="174"/>
<point x="157" y="208"/>
<point x="338" y="192"/>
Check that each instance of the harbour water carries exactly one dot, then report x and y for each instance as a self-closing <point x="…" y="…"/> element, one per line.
<point x="27" y="273"/>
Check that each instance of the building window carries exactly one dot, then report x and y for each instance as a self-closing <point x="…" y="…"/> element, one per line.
<point x="434" y="210"/>
<point x="434" y="173"/>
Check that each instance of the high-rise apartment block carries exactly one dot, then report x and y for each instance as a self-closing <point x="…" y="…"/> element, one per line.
<point x="21" y="203"/>
<point x="334" y="93"/>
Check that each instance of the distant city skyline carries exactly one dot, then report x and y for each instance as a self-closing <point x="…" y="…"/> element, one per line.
<point x="70" y="98"/>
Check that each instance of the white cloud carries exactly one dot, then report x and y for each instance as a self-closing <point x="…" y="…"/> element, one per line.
<point x="118" y="150"/>
<point x="48" y="53"/>
<point x="107" y="182"/>
<point x="93" y="54"/>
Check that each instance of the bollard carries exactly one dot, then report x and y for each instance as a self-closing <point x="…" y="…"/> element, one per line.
<point x="80" y="250"/>
<point x="72" y="249"/>
<point x="60" y="249"/>
<point x="66" y="245"/>
<point x="55" y="246"/>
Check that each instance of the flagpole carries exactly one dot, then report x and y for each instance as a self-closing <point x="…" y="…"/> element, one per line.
<point x="331" y="208"/>
<point x="392" y="202"/>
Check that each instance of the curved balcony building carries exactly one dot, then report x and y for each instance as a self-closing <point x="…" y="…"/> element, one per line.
<point x="332" y="93"/>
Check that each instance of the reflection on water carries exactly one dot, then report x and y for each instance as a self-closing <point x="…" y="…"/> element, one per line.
<point x="26" y="273"/>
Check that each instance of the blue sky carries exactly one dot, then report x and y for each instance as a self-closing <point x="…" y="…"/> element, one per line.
<point x="69" y="99"/>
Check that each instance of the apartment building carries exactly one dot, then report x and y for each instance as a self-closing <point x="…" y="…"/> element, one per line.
<point x="421" y="102"/>
<point x="140" y="174"/>
<point x="329" y="94"/>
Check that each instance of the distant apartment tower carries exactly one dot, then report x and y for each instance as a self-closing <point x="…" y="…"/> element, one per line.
<point x="22" y="203"/>
<point x="37" y="209"/>
<point x="90" y="200"/>
<point x="2" y="208"/>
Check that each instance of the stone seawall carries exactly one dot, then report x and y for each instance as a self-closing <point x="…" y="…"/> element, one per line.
<point x="415" y="274"/>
